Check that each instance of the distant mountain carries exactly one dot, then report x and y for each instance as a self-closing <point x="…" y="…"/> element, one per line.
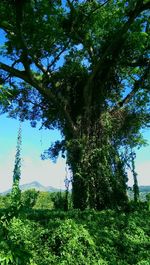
<point x="144" y="190"/>
<point x="34" y="185"/>
<point x="39" y="187"/>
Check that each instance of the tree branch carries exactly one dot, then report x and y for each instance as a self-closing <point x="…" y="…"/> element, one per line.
<point x="97" y="8"/>
<point x="41" y="67"/>
<point x="6" y="27"/>
<point x="58" y="55"/>
<point x="43" y="91"/>
<point x="13" y="71"/>
<point x="110" y="55"/>
<point x="137" y="86"/>
<point x="70" y="4"/>
<point x="34" y="104"/>
<point x="23" y="76"/>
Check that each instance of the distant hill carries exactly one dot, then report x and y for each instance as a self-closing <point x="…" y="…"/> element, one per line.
<point x="144" y="190"/>
<point x="39" y="187"/>
<point x="34" y="185"/>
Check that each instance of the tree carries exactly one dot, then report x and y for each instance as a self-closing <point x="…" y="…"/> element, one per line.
<point x="17" y="166"/>
<point x="81" y="67"/>
<point x="16" y="193"/>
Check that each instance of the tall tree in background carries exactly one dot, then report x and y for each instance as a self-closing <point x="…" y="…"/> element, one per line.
<point x="135" y="181"/>
<point x="16" y="192"/>
<point x="17" y="166"/>
<point x="81" y="67"/>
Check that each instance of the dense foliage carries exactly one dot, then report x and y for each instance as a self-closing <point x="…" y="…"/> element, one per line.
<point x="35" y="231"/>
<point x="88" y="237"/>
<point x="37" y="200"/>
<point x="81" y="67"/>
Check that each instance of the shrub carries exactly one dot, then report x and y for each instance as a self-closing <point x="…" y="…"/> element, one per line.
<point x="29" y="198"/>
<point x="18" y="241"/>
<point x="44" y="201"/>
<point x="71" y="243"/>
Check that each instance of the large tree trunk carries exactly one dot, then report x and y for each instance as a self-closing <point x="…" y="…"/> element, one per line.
<point x="99" y="178"/>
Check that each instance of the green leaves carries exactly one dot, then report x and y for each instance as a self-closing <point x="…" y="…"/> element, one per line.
<point x="76" y="237"/>
<point x="4" y="95"/>
<point x="72" y="243"/>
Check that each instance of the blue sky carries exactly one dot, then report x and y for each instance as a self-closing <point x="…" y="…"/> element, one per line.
<point x="34" y="142"/>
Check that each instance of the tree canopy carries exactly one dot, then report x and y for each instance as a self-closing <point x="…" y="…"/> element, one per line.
<point x="81" y="67"/>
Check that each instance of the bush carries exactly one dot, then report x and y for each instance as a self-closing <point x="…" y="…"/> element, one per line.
<point x="4" y="201"/>
<point x="71" y="243"/>
<point x="18" y="241"/>
<point x="148" y="200"/>
<point x="44" y="201"/>
<point x="75" y="237"/>
<point x="29" y="198"/>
